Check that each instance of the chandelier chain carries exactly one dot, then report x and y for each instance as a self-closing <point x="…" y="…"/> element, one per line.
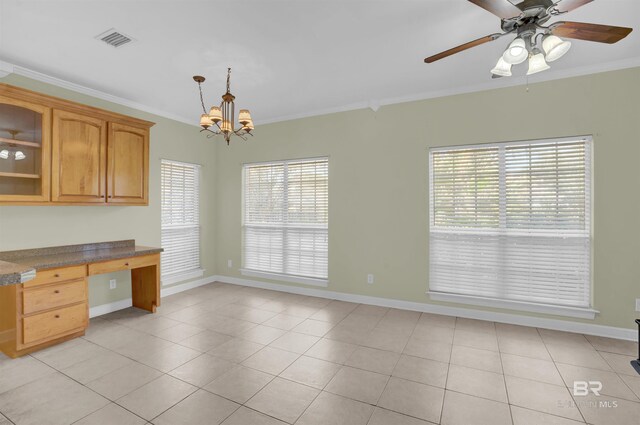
<point x="228" y="80"/>
<point x="204" y="108"/>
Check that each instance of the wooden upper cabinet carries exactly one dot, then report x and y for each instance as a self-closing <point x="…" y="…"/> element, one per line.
<point x="24" y="150"/>
<point x="128" y="165"/>
<point x="79" y="158"/>
<point x="57" y="152"/>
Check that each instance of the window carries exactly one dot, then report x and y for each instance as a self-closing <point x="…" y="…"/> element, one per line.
<point x="180" y="189"/>
<point x="286" y="220"/>
<point x="511" y="222"/>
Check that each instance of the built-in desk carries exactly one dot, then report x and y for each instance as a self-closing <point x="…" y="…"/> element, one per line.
<point x="44" y="297"/>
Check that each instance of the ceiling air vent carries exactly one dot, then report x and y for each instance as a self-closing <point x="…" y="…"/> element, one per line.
<point x="114" y="38"/>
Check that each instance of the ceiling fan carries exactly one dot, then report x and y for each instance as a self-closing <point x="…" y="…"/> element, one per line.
<point x="534" y="41"/>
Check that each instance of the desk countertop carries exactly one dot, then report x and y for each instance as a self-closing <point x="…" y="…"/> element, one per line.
<point x="21" y="266"/>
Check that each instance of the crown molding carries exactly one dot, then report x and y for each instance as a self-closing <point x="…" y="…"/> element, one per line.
<point x="7" y="68"/>
<point x="375" y="104"/>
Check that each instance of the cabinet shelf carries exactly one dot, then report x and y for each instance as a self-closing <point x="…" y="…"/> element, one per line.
<point x="4" y="140"/>
<point x="20" y="175"/>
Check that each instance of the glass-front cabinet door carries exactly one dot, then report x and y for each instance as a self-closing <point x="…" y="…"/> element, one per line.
<point x="24" y="151"/>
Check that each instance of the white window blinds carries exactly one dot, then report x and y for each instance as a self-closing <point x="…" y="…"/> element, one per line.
<point x="512" y="221"/>
<point x="180" y="191"/>
<point x="286" y="218"/>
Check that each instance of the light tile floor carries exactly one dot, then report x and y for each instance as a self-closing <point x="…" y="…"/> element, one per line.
<point x="231" y="355"/>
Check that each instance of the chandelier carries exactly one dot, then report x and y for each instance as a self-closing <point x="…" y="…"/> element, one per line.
<point x="221" y="119"/>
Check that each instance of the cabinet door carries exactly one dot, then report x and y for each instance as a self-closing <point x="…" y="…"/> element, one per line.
<point x="79" y="158"/>
<point x="24" y="151"/>
<point x="128" y="169"/>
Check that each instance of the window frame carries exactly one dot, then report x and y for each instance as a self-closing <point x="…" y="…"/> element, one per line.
<point x="285" y="277"/>
<point x="198" y="271"/>
<point x="485" y="301"/>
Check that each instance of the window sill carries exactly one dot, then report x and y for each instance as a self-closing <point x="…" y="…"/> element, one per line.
<point x="181" y="277"/>
<point x="578" y="312"/>
<point x="286" y="278"/>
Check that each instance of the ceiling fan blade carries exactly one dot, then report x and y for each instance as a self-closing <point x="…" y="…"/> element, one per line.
<point x="569" y="5"/>
<point x="501" y="8"/>
<point x="462" y="48"/>
<point x="590" y="32"/>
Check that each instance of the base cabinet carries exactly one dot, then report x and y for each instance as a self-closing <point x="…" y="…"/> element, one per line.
<point x="44" y="312"/>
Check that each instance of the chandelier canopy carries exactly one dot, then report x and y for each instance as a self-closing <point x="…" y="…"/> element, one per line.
<point x="221" y="119"/>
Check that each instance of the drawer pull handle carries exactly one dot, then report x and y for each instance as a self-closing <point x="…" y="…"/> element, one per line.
<point x="57" y="316"/>
<point x="56" y="275"/>
<point x="126" y="264"/>
<point x="57" y="291"/>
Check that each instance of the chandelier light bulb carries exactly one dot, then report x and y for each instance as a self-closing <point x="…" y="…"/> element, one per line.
<point x="555" y="47"/>
<point x="516" y="52"/>
<point x="502" y="68"/>
<point x="537" y="63"/>
<point x="205" y="121"/>
<point x="215" y="114"/>
<point x="226" y="126"/>
<point x="244" y="116"/>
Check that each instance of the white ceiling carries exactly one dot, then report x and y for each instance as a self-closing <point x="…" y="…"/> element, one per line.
<point x="290" y="58"/>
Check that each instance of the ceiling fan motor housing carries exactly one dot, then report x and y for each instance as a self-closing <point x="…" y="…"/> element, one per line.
<point x="535" y="15"/>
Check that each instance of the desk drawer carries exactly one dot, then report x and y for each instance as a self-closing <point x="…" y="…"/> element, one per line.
<point x="123" y="264"/>
<point x="56" y="275"/>
<point x="53" y="296"/>
<point x="53" y="324"/>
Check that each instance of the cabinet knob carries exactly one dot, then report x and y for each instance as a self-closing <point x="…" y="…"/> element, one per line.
<point x="57" y="316"/>
<point x="57" y="291"/>
<point x="126" y="264"/>
<point x="109" y="196"/>
<point x="56" y="275"/>
<point x="102" y="196"/>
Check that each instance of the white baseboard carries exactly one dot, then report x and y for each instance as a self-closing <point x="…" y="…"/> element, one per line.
<point x="165" y="292"/>
<point x="516" y="319"/>
<point x="100" y="310"/>
<point x="103" y="309"/>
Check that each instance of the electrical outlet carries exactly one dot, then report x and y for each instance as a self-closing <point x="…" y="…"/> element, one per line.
<point x="229" y="263"/>
<point x="112" y="284"/>
<point x="370" y="279"/>
<point x="637" y="304"/>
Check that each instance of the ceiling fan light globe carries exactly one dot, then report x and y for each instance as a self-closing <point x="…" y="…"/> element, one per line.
<point x="555" y="47"/>
<point x="516" y="53"/>
<point x="502" y="68"/>
<point x="537" y="63"/>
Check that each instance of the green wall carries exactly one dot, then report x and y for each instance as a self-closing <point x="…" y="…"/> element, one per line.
<point x="379" y="189"/>
<point x="378" y="184"/>
<point x="33" y="227"/>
